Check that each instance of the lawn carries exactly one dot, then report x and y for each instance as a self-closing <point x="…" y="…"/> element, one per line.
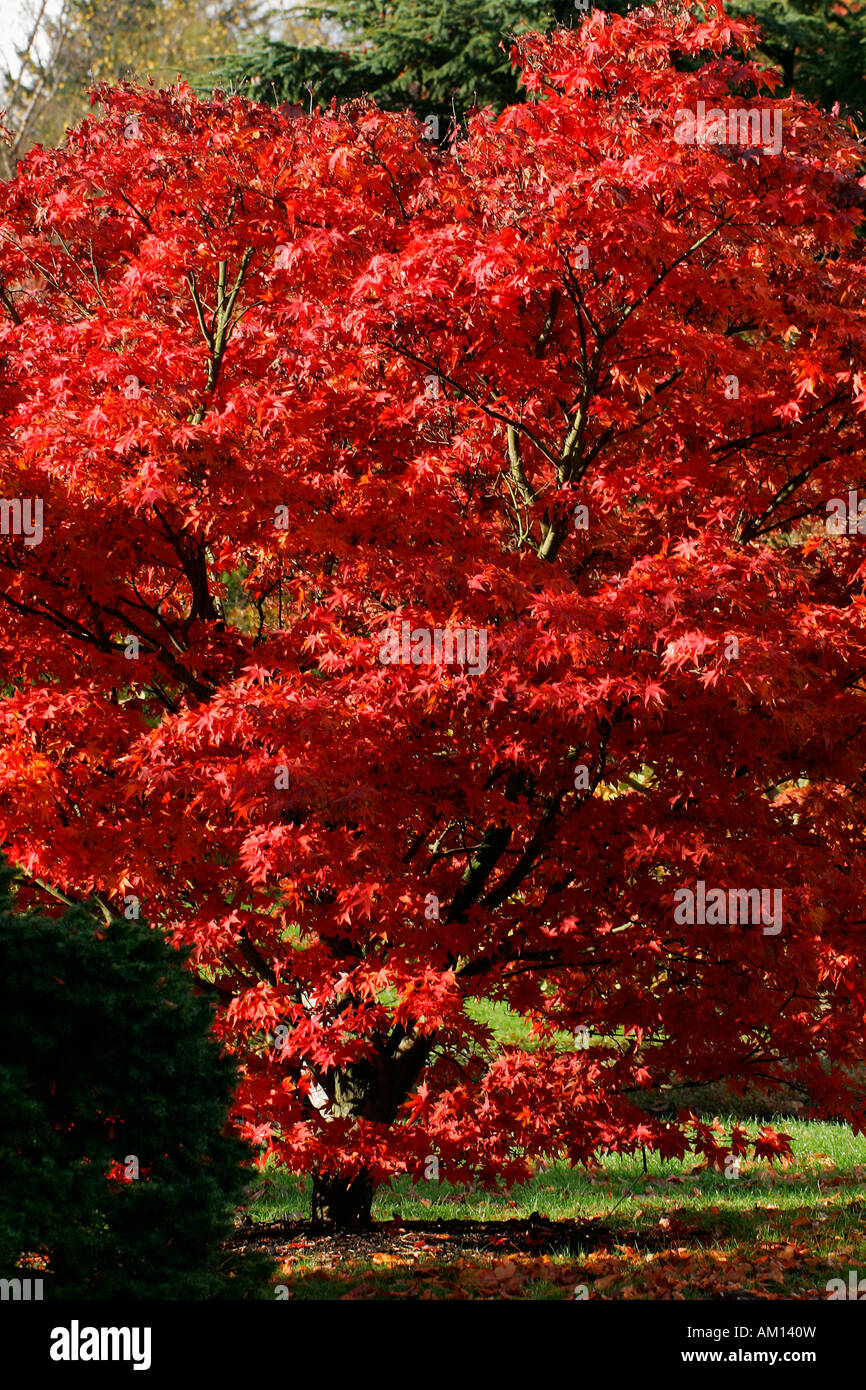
<point x="617" y="1232"/>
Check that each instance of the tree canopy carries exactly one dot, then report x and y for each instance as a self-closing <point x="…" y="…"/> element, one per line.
<point x="431" y="599"/>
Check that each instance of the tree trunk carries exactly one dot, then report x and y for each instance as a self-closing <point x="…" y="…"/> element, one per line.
<point x="341" y="1201"/>
<point x="372" y="1089"/>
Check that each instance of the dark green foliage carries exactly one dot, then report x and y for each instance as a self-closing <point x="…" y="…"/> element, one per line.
<point x="278" y="72"/>
<point x="421" y="54"/>
<point x="430" y="54"/>
<point x="819" y="46"/>
<point x="106" y="1052"/>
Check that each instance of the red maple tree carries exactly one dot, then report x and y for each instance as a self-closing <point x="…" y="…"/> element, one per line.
<point x="433" y="603"/>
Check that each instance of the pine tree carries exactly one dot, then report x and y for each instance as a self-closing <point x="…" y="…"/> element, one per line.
<point x="818" y="46"/>
<point x="439" y="56"/>
<point x="433" y="56"/>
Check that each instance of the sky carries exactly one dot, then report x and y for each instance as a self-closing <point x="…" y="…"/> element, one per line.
<point x="13" y="28"/>
<point x="14" y="15"/>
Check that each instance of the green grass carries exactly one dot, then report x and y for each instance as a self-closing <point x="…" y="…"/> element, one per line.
<point x="778" y="1231"/>
<point x="509" y="1029"/>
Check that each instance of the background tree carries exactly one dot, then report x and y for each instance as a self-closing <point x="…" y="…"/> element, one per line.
<point x="430" y="56"/>
<point x="436" y="57"/>
<point x="73" y="43"/>
<point x="818" y="46"/>
<point x="285" y="384"/>
<point x="119" y="1173"/>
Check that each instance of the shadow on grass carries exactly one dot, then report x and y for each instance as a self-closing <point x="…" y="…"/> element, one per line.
<point x="686" y="1254"/>
<point x="676" y="1231"/>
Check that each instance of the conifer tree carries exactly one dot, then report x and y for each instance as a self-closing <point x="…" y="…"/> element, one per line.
<point x="118" y="1171"/>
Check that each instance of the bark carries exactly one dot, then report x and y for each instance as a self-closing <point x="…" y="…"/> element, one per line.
<point x="374" y="1090"/>
<point x="343" y="1202"/>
